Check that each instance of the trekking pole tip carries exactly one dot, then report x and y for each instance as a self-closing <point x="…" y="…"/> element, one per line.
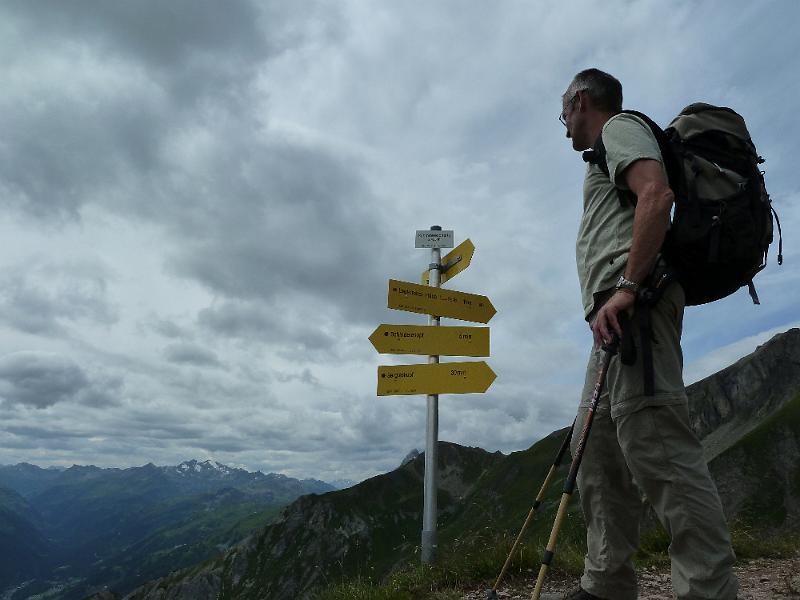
<point x="491" y="594"/>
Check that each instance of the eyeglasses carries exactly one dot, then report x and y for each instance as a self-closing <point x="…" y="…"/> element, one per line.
<point x="562" y="117"/>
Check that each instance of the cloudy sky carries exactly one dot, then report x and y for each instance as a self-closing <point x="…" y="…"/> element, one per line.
<point x="202" y="203"/>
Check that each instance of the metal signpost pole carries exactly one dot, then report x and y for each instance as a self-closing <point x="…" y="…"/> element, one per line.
<point x="432" y="379"/>
<point x="431" y="436"/>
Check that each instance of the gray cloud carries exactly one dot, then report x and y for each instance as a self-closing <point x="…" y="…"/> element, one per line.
<point x="305" y="376"/>
<point x="164" y="36"/>
<point x="181" y="139"/>
<point x="191" y="354"/>
<point x="109" y="107"/>
<point x="43" y="297"/>
<point x="165" y="327"/>
<point x="260" y="323"/>
<point x="299" y="215"/>
<point x="48" y="437"/>
<point x="39" y="379"/>
<point x="164" y="426"/>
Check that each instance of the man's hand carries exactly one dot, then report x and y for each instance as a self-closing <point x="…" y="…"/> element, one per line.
<point x="607" y="320"/>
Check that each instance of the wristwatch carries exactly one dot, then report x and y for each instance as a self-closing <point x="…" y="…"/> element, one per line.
<point x="626" y="285"/>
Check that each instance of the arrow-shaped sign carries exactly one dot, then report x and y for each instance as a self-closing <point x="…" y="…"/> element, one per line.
<point x="413" y="297"/>
<point x="441" y="378"/>
<point x="431" y="340"/>
<point x="453" y="262"/>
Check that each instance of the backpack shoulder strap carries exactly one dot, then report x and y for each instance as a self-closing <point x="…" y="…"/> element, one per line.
<point x="671" y="165"/>
<point x="597" y="155"/>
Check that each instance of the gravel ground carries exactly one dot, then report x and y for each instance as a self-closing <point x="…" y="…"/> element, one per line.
<point x="760" y="579"/>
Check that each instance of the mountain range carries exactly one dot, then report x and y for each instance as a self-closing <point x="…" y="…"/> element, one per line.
<point x="222" y="534"/>
<point x="747" y="415"/>
<point x="70" y="531"/>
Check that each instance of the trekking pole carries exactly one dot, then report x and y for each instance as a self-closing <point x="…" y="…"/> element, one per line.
<point x="569" y="485"/>
<point x="492" y="593"/>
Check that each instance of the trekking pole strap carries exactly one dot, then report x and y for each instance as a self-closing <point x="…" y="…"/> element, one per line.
<point x="661" y="278"/>
<point x="645" y="335"/>
<point x="780" y="235"/>
<point x="751" y="288"/>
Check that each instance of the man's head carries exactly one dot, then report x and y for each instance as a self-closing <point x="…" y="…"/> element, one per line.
<point x="591" y="99"/>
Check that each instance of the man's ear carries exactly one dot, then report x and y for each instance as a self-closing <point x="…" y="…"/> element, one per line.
<point x="582" y="101"/>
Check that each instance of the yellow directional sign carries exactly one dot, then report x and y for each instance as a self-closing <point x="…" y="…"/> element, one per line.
<point x="453" y="262"/>
<point x="441" y="378"/>
<point x="413" y="297"/>
<point x="431" y="340"/>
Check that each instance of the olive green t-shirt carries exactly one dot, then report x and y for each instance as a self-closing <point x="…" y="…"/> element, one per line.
<point x="606" y="230"/>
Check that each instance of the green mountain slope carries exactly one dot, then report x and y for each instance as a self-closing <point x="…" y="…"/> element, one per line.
<point x="121" y="527"/>
<point x="366" y="529"/>
<point x="746" y="415"/>
<point x="28" y="552"/>
<point x="759" y="476"/>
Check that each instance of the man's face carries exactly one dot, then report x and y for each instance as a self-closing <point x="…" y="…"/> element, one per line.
<point x="571" y="118"/>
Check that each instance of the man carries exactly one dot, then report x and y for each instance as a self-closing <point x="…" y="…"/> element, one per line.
<point x="639" y="443"/>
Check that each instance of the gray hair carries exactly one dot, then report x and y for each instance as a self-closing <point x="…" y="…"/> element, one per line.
<point x="604" y="89"/>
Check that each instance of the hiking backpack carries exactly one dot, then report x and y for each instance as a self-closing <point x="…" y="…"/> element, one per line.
<point x="721" y="225"/>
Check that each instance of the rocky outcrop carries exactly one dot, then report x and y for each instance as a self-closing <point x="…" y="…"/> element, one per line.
<point x="726" y="406"/>
<point x="751" y="411"/>
<point x="413" y="454"/>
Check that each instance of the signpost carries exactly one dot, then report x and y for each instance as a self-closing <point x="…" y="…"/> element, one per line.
<point x="440" y="378"/>
<point x="421" y="339"/>
<point x="435" y="238"/>
<point x="435" y="378"/>
<point x="453" y="262"/>
<point x="413" y="297"/>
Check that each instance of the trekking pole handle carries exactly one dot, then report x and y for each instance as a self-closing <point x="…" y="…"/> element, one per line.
<point x="612" y="347"/>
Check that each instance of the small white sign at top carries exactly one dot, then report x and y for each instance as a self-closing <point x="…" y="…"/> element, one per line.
<point x="428" y="238"/>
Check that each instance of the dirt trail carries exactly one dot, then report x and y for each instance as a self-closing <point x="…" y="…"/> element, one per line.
<point x="759" y="579"/>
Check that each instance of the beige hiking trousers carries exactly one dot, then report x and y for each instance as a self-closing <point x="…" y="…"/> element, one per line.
<point x="643" y="446"/>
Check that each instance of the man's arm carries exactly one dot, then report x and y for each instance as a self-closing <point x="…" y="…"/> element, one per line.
<point x="654" y="198"/>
